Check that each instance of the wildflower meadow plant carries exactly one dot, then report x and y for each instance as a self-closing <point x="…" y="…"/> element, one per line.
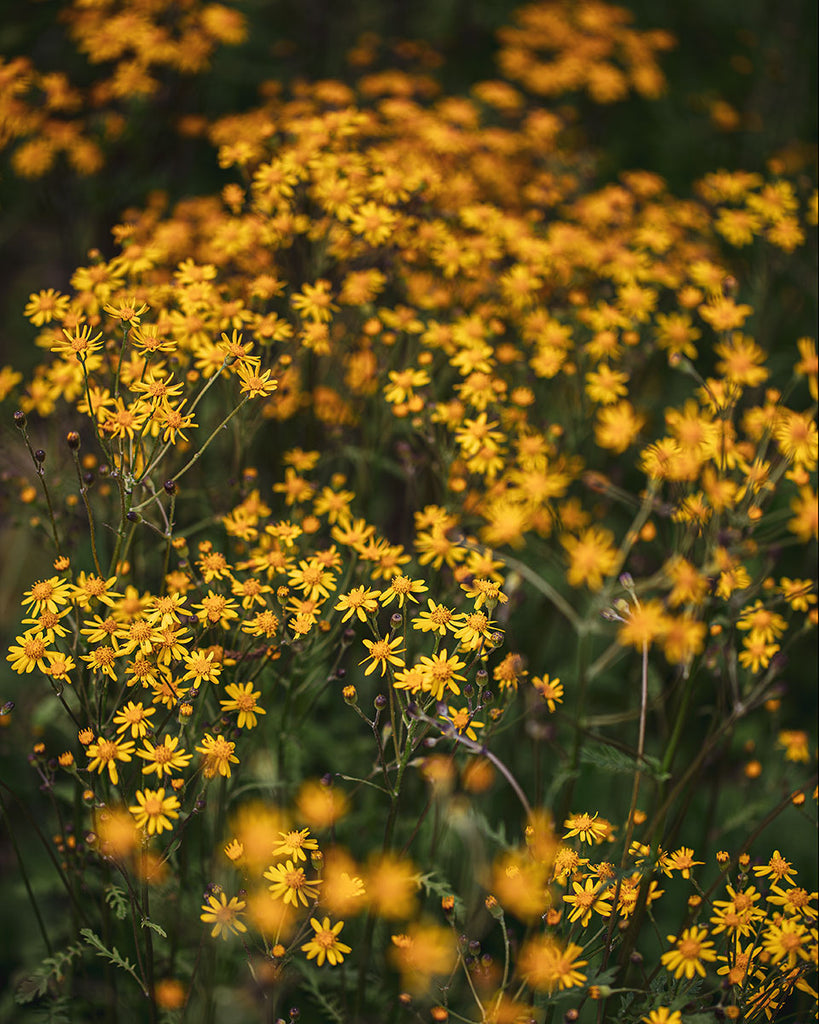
<point x="432" y="567"/>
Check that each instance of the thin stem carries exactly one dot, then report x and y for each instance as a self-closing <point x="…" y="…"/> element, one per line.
<point x="84" y="496"/>
<point x="197" y="455"/>
<point x="39" y="469"/>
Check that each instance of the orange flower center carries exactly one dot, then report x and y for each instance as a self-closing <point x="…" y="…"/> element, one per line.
<point x="34" y="648"/>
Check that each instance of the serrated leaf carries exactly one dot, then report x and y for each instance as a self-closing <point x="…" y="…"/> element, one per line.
<point x="113" y="955"/>
<point x="618" y="762"/>
<point x="610" y="759"/>
<point x="655" y="769"/>
<point x="145" y="923"/>
<point x="117" y="900"/>
<point x="329" y="1006"/>
<point x="604" y="977"/>
<point x="53" y="968"/>
<point x="440" y="887"/>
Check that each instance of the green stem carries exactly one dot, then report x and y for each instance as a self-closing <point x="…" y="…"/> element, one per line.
<point x="89" y="515"/>
<point x="197" y="455"/>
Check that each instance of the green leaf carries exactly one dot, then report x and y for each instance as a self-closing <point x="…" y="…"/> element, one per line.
<point x="436" y="886"/>
<point x="330" y="1007"/>
<point x="145" y="923"/>
<point x="117" y="900"/>
<point x="609" y="759"/>
<point x="52" y="969"/>
<point x="112" y="955"/>
<point x="618" y="762"/>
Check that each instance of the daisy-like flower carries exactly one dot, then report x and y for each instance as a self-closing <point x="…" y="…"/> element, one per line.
<point x="47" y="625"/>
<point x="403" y="588"/>
<point x="551" y="690"/>
<point x="315" y="302"/>
<point x="102" y="659"/>
<point x="218" y="756"/>
<point x="312" y="579"/>
<point x="255" y="383"/>
<point x="244" y="699"/>
<point x="264" y="624"/>
<point x="173" y="422"/>
<point x="796" y="901"/>
<point x="325" y="944"/>
<point x="223" y="915"/>
<point x="798" y="593"/>
<point x="163" y="758"/>
<point x="78" y="343"/>
<point x="681" y="860"/>
<point x="587" y="827"/>
<point x="90" y="588"/>
<point x="462" y="720"/>
<point x="290" y="884"/>
<point x="153" y="810"/>
<point x="382" y="652"/>
<point x="689" y="952"/>
<point x="127" y="312"/>
<point x="293" y="844"/>
<point x="592" y="556"/>
<point x="474" y="630"/>
<point x="789" y="940"/>
<point x="587" y="897"/>
<point x="213" y="565"/>
<point x="548" y="966"/>
<point x="124" y="421"/>
<point x="46" y="305"/>
<point x="158" y="390"/>
<point x="485" y="591"/>
<point x="104" y="754"/>
<point x="134" y="717"/>
<point x="359" y="601"/>
<point x="137" y="634"/>
<point x="737" y="916"/>
<point x="411" y="679"/>
<point x="215" y="608"/>
<point x="762" y="621"/>
<point x="59" y="666"/>
<point x="437" y="619"/>
<point x="739" y="963"/>
<point x="251" y="591"/>
<point x="201" y="667"/>
<point x="29" y="653"/>
<point x="47" y="595"/>
<point x="441" y="673"/>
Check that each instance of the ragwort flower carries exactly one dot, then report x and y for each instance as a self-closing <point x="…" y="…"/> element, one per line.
<point x="223" y="915"/>
<point x="325" y="943"/>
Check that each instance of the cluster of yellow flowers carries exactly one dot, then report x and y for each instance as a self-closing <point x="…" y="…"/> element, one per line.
<point x="131" y="46"/>
<point x="560" y="382"/>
